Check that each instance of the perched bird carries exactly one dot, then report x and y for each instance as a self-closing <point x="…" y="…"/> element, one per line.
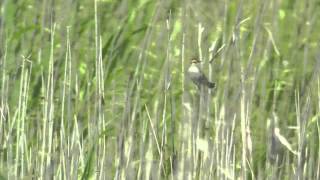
<point x="197" y="76"/>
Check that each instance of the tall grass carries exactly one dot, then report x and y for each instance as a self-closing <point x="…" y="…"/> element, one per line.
<point x="99" y="90"/>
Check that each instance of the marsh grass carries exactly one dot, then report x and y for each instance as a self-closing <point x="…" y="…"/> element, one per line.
<point x="98" y="90"/>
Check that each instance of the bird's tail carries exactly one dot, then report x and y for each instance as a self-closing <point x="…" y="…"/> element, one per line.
<point x="211" y="84"/>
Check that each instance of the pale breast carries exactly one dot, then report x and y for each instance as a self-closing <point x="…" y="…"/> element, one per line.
<point x="194" y="69"/>
<point x="194" y="72"/>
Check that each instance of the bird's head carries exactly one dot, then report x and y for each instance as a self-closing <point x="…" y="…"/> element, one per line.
<point x="195" y="61"/>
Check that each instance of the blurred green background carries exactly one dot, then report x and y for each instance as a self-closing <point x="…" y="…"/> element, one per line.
<point x="98" y="89"/>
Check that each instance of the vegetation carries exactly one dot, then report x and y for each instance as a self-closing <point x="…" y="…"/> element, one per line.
<point x="99" y="90"/>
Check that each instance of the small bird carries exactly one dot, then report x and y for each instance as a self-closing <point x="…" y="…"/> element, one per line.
<point x="197" y="76"/>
